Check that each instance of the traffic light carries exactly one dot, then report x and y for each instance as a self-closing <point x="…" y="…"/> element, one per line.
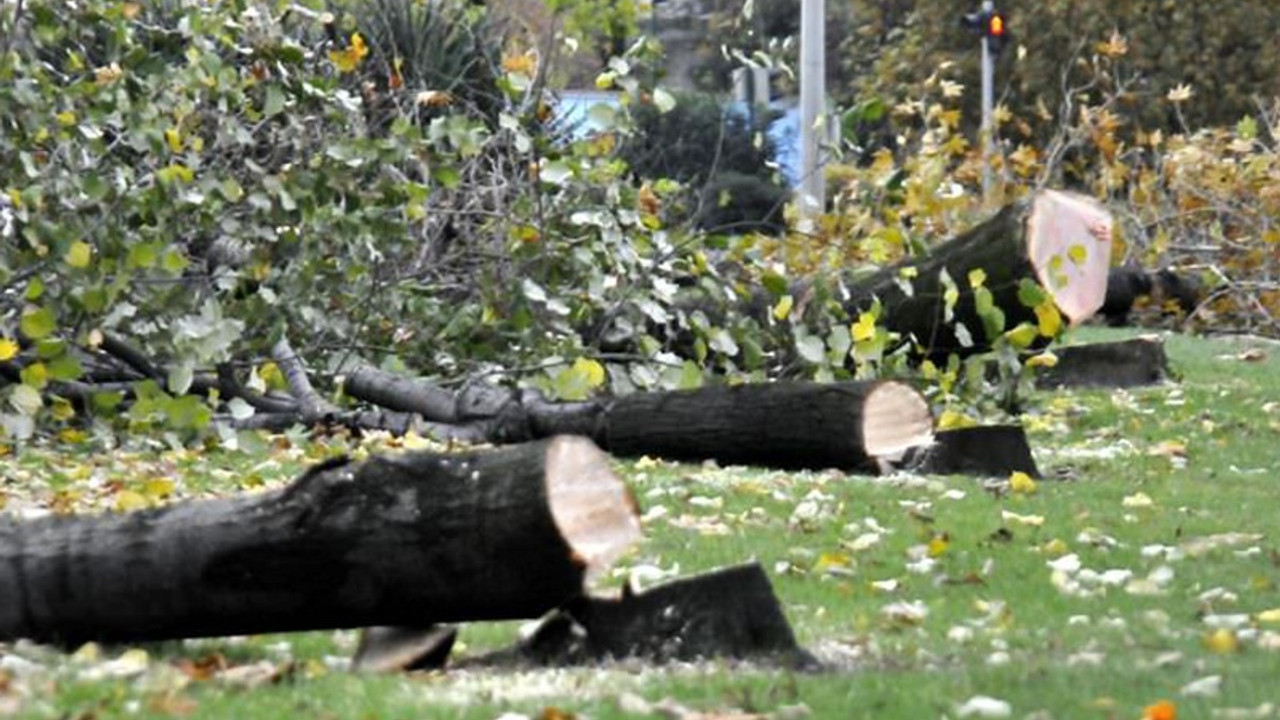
<point x="991" y="24"/>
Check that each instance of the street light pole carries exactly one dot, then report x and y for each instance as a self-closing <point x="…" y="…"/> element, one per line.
<point x="988" y="101"/>
<point x="813" y="75"/>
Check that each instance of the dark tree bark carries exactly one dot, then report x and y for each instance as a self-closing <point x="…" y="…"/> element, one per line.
<point x="856" y="426"/>
<point x="851" y="426"/>
<point x="995" y="450"/>
<point x="409" y="539"/>
<point x="1061" y="240"/>
<point x="1167" y="291"/>
<point x="732" y="612"/>
<point x="1125" y="363"/>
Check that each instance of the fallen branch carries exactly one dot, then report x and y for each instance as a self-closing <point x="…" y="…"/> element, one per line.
<point x="409" y="539"/>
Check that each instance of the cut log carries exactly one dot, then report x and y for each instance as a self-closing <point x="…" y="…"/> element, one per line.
<point x="732" y="612"/>
<point x="1061" y="240"/>
<point x="991" y="451"/>
<point x="1125" y="363"/>
<point x="853" y="426"/>
<point x="405" y="540"/>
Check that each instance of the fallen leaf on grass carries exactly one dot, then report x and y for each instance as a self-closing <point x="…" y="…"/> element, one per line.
<point x="1015" y="518"/>
<point x="1197" y="546"/>
<point x="906" y="613"/>
<point x="1208" y="686"/>
<point x="1221" y="642"/>
<point x="1020" y="482"/>
<point x="1137" y="500"/>
<point x="982" y="706"/>
<point x="1163" y="710"/>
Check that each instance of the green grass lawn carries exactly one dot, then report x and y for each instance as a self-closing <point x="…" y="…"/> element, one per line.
<point x="1150" y="569"/>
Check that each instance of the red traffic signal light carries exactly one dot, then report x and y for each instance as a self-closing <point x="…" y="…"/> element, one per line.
<point x="995" y="25"/>
<point x="991" y="24"/>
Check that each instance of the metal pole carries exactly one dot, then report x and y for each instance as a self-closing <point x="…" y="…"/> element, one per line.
<point x="988" y="101"/>
<point x="813" y="75"/>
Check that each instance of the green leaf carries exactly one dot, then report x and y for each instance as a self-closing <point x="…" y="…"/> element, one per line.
<point x="65" y="367"/>
<point x="1030" y="294"/>
<point x="811" y="348"/>
<point x="274" y="102"/>
<point x="37" y="322"/>
<point x="79" y="255"/>
<point x="25" y="399"/>
<point x="690" y="376"/>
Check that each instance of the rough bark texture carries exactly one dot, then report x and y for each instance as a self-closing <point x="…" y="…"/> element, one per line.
<point x="995" y="451"/>
<point x="732" y="612"/>
<point x="783" y="425"/>
<point x="1031" y="239"/>
<point x="393" y="540"/>
<point x="1125" y="363"/>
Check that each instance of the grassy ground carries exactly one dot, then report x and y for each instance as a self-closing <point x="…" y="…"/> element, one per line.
<point x="1149" y="571"/>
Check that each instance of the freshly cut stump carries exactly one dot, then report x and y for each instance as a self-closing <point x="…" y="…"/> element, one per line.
<point x="854" y="426"/>
<point x="405" y="540"/>
<point x="1120" y="364"/>
<point x="990" y="451"/>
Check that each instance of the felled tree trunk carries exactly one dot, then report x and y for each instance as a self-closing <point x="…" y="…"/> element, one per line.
<point x="852" y="426"/>
<point x="857" y="426"/>
<point x="1061" y="240"/>
<point x="393" y="540"/>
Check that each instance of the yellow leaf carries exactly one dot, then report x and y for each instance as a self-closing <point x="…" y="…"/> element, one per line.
<point x="1022" y="336"/>
<point x="72" y="436"/>
<point x="62" y="410"/>
<point x="1020" y="482"/>
<point x="173" y="139"/>
<point x="829" y="560"/>
<point x="128" y="500"/>
<point x="1016" y="519"/>
<point x="1045" y="359"/>
<point x="1055" y="548"/>
<point x="525" y="64"/>
<point x="954" y="420"/>
<point x="79" y="255"/>
<point x="977" y="277"/>
<point x="157" y="488"/>
<point x="938" y="544"/>
<point x="66" y="118"/>
<point x="864" y="329"/>
<point x="8" y="348"/>
<point x="271" y="375"/>
<point x="1222" y="641"/>
<point x="783" y="308"/>
<point x="1049" y="319"/>
<point x="348" y="58"/>
<point x="592" y="370"/>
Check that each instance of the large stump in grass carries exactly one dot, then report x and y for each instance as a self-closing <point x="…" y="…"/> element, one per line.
<point x="393" y="540"/>
<point x="1060" y="240"/>
<point x="856" y="426"/>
